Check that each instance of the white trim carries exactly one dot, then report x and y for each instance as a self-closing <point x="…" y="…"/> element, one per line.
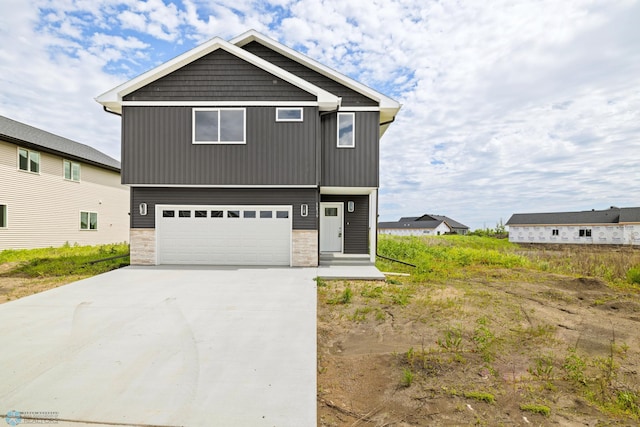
<point x="353" y="130"/>
<point x="223" y="186"/>
<point x="373" y="224"/>
<point x="349" y="108"/>
<point x="71" y="163"/>
<point x="219" y="110"/>
<point x="356" y="191"/>
<point x="301" y="119"/>
<point x="28" y="170"/>
<point x="214" y="104"/>
<point x="340" y="206"/>
<point x="113" y="98"/>
<point x="252" y="35"/>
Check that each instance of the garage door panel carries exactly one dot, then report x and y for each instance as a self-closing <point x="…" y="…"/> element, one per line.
<point x="223" y="240"/>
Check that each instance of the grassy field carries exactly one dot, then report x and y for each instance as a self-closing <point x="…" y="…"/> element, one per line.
<point x="27" y="271"/>
<point x="483" y="332"/>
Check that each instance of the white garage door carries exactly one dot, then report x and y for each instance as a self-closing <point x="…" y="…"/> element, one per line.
<point x="224" y="235"/>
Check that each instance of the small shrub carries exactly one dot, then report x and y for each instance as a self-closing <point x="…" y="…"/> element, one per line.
<point x="536" y="409"/>
<point x="344" y="298"/>
<point x="575" y="366"/>
<point x="481" y="396"/>
<point x="633" y="275"/>
<point x="407" y="377"/>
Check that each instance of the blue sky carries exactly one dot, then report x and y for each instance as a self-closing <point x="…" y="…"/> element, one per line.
<point x="526" y="106"/>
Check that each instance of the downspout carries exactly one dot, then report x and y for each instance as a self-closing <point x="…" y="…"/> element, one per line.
<point x="377" y="215"/>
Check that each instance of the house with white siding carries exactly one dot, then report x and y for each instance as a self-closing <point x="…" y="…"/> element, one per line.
<point x="425" y="225"/>
<point x="613" y="226"/>
<point x="55" y="191"/>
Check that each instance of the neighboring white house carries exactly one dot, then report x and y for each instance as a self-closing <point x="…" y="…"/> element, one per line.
<point x="55" y="191"/>
<point x="613" y="226"/>
<point x="425" y="225"/>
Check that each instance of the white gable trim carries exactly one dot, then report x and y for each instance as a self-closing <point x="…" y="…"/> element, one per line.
<point x="112" y="99"/>
<point x="388" y="107"/>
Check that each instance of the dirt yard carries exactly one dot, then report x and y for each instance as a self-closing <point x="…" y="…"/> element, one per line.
<point x="503" y="347"/>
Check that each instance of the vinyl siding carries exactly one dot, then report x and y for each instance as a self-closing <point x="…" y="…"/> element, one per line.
<point x="44" y="209"/>
<point x="224" y="196"/>
<point x="356" y="223"/>
<point x="349" y="96"/>
<point x="351" y="167"/>
<point x="219" y="76"/>
<point x="157" y="149"/>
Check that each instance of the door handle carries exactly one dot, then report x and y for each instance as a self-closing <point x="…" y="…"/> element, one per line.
<point x="339" y="234"/>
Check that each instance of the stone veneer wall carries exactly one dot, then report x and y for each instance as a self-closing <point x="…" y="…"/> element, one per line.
<point x="142" y="247"/>
<point x="305" y="248"/>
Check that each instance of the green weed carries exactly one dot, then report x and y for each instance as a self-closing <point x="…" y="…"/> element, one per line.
<point x="536" y="409"/>
<point x="481" y="396"/>
<point x="407" y="377"/>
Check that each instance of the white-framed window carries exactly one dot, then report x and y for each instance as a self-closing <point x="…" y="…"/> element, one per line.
<point x="88" y="220"/>
<point x="284" y="114"/>
<point x="346" y="130"/>
<point x="71" y="170"/>
<point x="28" y="160"/>
<point x="3" y="216"/>
<point x="584" y="232"/>
<point x="219" y="126"/>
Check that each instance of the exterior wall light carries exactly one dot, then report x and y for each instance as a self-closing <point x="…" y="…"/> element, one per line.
<point x="143" y="209"/>
<point x="351" y="206"/>
<point x="304" y="210"/>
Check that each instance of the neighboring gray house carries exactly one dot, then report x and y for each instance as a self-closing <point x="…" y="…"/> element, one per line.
<point x="615" y="226"/>
<point x="424" y="225"/>
<point x="56" y="191"/>
<point x="248" y="152"/>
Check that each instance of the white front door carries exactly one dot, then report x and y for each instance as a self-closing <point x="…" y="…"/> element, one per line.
<point x="331" y="227"/>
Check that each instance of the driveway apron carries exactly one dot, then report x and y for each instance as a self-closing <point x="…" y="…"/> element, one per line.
<point x="187" y="346"/>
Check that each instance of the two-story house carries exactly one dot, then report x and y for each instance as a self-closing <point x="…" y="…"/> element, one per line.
<point x="249" y="152"/>
<point x="55" y="191"/>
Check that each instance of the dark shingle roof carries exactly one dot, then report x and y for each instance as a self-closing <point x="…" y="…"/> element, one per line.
<point x="612" y="215"/>
<point x="452" y="223"/>
<point x="424" y="221"/>
<point x="22" y="134"/>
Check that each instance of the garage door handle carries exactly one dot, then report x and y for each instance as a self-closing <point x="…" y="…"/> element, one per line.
<point x="339" y="234"/>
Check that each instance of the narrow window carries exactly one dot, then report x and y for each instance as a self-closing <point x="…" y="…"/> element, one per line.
<point x="3" y="216"/>
<point x="282" y="214"/>
<point x="266" y="214"/>
<point x="346" y="130"/>
<point x="200" y="214"/>
<point x="28" y="160"/>
<point x="249" y="214"/>
<point x="288" y="114"/>
<point x="71" y="171"/>
<point x="184" y="214"/>
<point x="168" y="214"/>
<point x="88" y="220"/>
<point x="555" y="232"/>
<point x="233" y="214"/>
<point x="217" y="214"/>
<point x="219" y="126"/>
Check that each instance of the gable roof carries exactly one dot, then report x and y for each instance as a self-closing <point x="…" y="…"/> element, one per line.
<point x="112" y="99"/>
<point x="425" y="221"/>
<point x="30" y="137"/>
<point x="612" y="215"/>
<point x="429" y="225"/>
<point x="388" y="107"/>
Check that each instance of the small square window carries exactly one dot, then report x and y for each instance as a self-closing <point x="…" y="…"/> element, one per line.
<point x="282" y="214"/>
<point x="330" y="211"/>
<point x="289" y="115"/>
<point x="3" y="216"/>
<point x="168" y="214"/>
<point x="249" y="214"/>
<point x="217" y="214"/>
<point x="28" y="160"/>
<point x="184" y="214"/>
<point x="88" y="220"/>
<point x="266" y="214"/>
<point x="555" y="232"/>
<point x="233" y="214"/>
<point x="200" y="214"/>
<point x="71" y="171"/>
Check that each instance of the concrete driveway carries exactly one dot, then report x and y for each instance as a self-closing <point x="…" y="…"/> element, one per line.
<point x="165" y="346"/>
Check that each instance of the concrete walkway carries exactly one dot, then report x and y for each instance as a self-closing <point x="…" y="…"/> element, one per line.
<point x="166" y="347"/>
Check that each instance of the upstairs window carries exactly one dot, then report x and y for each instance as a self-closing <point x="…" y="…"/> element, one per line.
<point x="346" y="130"/>
<point x="28" y="160"/>
<point x="219" y="126"/>
<point x="71" y="171"/>
<point x="3" y="216"/>
<point x="289" y="115"/>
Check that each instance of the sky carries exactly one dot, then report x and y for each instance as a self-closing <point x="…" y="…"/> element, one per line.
<point x="509" y="106"/>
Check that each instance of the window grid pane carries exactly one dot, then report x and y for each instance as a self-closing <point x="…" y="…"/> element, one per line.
<point x="84" y="220"/>
<point x="206" y="123"/>
<point x="93" y="221"/>
<point x="24" y="160"/>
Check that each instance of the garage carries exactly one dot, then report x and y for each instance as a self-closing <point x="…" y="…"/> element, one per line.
<point x="224" y="235"/>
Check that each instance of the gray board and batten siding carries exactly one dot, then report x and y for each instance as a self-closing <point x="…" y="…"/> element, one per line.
<point x="220" y="76"/>
<point x="153" y="196"/>
<point x="356" y="223"/>
<point x="157" y="149"/>
<point x="349" y="96"/>
<point x="351" y="167"/>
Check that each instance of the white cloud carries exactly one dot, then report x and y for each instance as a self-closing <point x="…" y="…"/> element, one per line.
<point x="508" y="107"/>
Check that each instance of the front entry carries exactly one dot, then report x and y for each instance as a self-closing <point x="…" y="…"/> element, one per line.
<point x="331" y="233"/>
